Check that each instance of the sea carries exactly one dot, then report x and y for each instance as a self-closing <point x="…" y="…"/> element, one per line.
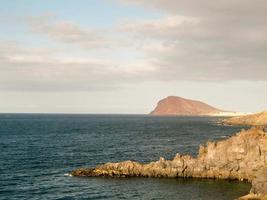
<point x="38" y="151"/>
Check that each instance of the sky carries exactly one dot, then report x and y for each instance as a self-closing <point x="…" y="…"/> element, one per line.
<point x="122" y="56"/>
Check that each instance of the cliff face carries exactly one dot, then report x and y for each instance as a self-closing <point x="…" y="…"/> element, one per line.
<point x="259" y="119"/>
<point x="179" y="106"/>
<point x="242" y="157"/>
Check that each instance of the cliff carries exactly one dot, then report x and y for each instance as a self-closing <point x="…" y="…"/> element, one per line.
<point x="242" y="157"/>
<point x="259" y="119"/>
<point x="173" y="105"/>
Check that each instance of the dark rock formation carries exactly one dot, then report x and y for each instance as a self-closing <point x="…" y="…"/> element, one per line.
<point x="259" y="119"/>
<point x="179" y="106"/>
<point x="241" y="157"/>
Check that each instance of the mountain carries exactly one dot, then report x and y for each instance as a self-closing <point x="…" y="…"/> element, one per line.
<point x="174" y="105"/>
<point x="258" y="119"/>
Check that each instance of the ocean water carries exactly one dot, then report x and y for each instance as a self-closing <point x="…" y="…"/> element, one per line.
<point x="36" y="150"/>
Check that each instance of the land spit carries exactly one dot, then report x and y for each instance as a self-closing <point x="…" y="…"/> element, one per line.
<point x="258" y="119"/>
<point x="242" y="157"/>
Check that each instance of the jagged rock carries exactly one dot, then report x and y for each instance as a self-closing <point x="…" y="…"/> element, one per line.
<point x="241" y="157"/>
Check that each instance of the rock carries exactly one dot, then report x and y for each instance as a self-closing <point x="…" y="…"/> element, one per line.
<point x="173" y="105"/>
<point x="241" y="157"/>
<point x="259" y="183"/>
<point x="259" y="119"/>
<point x="253" y="197"/>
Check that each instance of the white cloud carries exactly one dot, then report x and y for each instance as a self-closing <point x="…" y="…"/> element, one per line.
<point x="69" y="32"/>
<point x="32" y="69"/>
<point x="204" y="40"/>
<point x="194" y="41"/>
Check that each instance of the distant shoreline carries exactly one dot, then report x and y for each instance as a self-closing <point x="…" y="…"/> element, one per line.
<point x="126" y="114"/>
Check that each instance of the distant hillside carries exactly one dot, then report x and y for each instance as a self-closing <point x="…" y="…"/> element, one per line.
<point x="173" y="105"/>
<point x="259" y="119"/>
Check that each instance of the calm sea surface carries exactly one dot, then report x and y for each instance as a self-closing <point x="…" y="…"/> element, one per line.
<point x="37" y="150"/>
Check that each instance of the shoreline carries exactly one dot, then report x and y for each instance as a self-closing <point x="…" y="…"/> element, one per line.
<point x="242" y="157"/>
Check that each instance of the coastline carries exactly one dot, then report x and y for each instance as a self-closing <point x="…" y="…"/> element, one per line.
<point x="242" y="157"/>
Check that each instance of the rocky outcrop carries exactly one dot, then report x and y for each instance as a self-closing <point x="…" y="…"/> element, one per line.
<point x="259" y="119"/>
<point x="259" y="185"/>
<point x="173" y="105"/>
<point x="242" y="157"/>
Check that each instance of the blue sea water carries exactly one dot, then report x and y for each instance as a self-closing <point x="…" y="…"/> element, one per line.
<point x="36" y="150"/>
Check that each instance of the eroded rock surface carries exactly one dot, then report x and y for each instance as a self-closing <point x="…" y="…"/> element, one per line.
<point x="241" y="157"/>
<point x="259" y="119"/>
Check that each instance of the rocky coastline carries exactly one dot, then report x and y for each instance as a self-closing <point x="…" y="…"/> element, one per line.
<point x="242" y="157"/>
<point x="258" y="119"/>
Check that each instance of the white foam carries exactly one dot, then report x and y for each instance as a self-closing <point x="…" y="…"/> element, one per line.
<point x="67" y="174"/>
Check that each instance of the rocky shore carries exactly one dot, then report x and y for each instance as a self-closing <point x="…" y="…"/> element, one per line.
<point x="258" y="119"/>
<point x="242" y="157"/>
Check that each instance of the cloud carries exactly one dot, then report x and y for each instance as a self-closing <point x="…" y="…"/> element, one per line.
<point x="204" y="40"/>
<point x="32" y="69"/>
<point x="193" y="41"/>
<point x="69" y="32"/>
<point x="205" y="8"/>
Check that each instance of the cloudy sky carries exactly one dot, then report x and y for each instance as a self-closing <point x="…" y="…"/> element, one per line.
<point x="122" y="56"/>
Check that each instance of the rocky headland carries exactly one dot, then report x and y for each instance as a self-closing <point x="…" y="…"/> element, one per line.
<point x="242" y="157"/>
<point x="259" y="119"/>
